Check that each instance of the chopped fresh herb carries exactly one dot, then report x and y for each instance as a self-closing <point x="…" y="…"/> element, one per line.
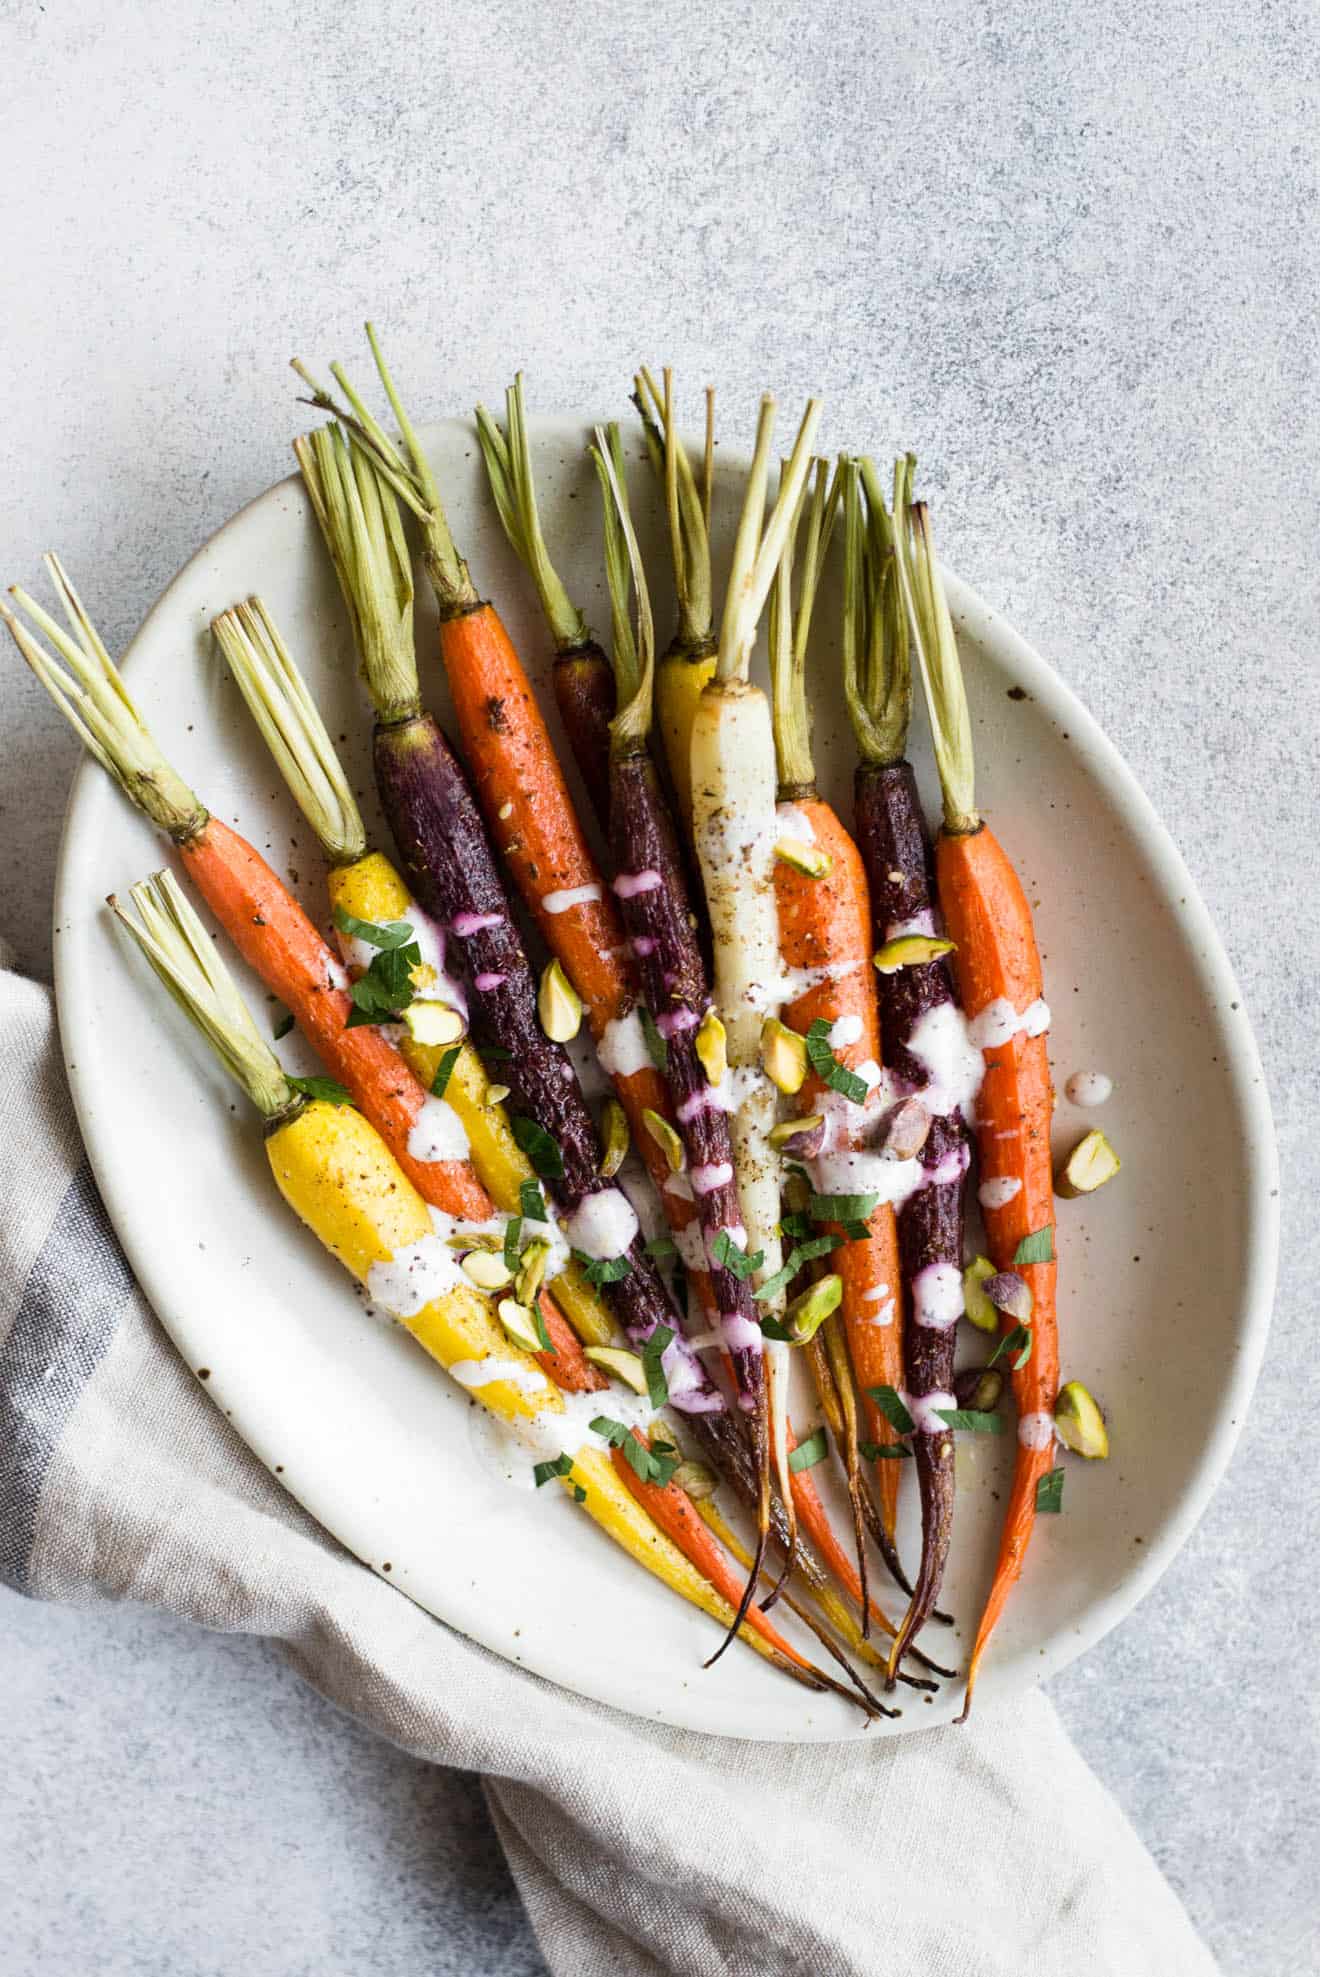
<point x="884" y="1451"/>
<point x="655" y="1465"/>
<point x="842" y="1207"/>
<point x="493" y="1053"/>
<point x="800" y="1254"/>
<point x="283" y="1027"/>
<point x="657" y="1048"/>
<point x="828" y="1068"/>
<point x="894" y="1408"/>
<point x="971" y="1419"/>
<point x="512" y="1241"/>
<point x="444" y="1070"/>
<point x="1038" y="1247"/>
<point x="579" y="1494"/>
<point x="603" y="1269"/>
<point x="539" y="1146"/>
<point x="545" y="1472"/>
<point x="775" y="1328"/>
<point x="657" y="1386"/>
<point x="795" y="1227"/>
<point x="327" y="1088"/>
<point x="387" y="986"/>
<point x="1049" y="1492"/>
<point x="1017" y="1341"/>
<point x="725" y="1251"/>
<point x="808" y="1453"/>
<point x="854" y="1231"/>
<point x="660" y="1247"/>
<point x="395" y="933"/>
<point x="531" y="1202"/>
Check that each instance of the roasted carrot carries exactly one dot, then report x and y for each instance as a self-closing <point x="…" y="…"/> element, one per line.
<point x="999" y="974"/>
<point x="339" y="1178"/>
<point x="583" y="679"/>
<point x="266" y="924"/>
<point x="368" y="897"/>
<point x="825" y="942"/>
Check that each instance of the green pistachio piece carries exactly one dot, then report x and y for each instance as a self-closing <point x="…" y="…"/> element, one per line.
<point x="487" y="1269"/>
<point x="614" y="1136"/>
<point x="558" y="1005"/>
<point x="783" y="1056"/>
<point x="808" y="1312"/>
<point x="433" y="1022"/>
<point x="976" y="1304"/>
<point x="804" y="858"/>
<point x="519" y="1323"/>
<point x="531" y="1271"/>
<point x="1080" y="1423"/>
<point x="1091" y="1163"/>
<point x="668" y="1141"/>
<point x="622" y="1365"/>
<point x="711" y="1046"/>
<point x="911" y="951"/>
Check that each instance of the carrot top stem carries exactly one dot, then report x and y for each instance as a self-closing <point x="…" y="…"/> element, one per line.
<point x="359" y="517"/>
<point x="406" y="470"/>
<point x="508" y="457"/>
<point x="634" y="650"/>
<point x="877" y="663"/>
<point x="921" y="585"/>
<point x="94" y="700"/>
<point x="756" y="552"/>
<point x="283" y="709"/>
<point x="687" y="505"/>
<point x="790" y="633"/>
<point x="188" y="962"/>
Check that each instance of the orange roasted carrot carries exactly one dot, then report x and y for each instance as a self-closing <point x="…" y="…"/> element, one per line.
<point x="997" y="966"/>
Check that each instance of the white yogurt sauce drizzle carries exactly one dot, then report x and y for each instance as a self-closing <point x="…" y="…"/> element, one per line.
<point x="603" y="1225"/>
<point x="570" y="896"/>
<point x="437" y="1133"/>
<point x="942" y="1044"/>
<point x="705" y="1180"/>
<point x="937" y="1296"/>
<point x="475" y="1373"/>
<point x="631" y="885"/>
<point x="1088" y="1088"/>
<point x="919" y="923"/>
<point x="999" y="1021"/>
<point x="926" y="1409"/>
<point x="622" y="1048"/>
<point x="1036" y="1430"/>
<point x="794" y="824"/>
<point x="997" y="1193"/>
<point x="844" y="1031"/>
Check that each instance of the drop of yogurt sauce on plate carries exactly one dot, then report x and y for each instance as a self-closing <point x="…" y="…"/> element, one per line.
<point x="1088" y="1088"/>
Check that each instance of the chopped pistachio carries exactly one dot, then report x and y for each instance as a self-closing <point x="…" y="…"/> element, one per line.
<point x="804" y="858"/>
<point x="625" y="1366"/>
<point x="1080" y="1423"/>
<point x="531" y="1271"/>
<point x="433" y="1022"/>
<point x="696" y="1480"/>
<point x="668" y="1141"/>
<point x="519" y="1323"/>
<point x="1091" y="1163"/>
<point x="711" y="1047"/>
<point x="906" y="1130"/>
<point x="783" y="1056"/>
<point x="614" y="1134"/>
<point x="496" y="1094"/>
<point x="1010" y="1294"/>
<point x="487" y="1269"/>
<point x="800" y="1139"/>
<point x="979" y="1388"/>
<point x="911" y="951"/>
<point x="558" y="1005"/>
<point x="808" y="1312"/>
<point x="976" y="1304"/>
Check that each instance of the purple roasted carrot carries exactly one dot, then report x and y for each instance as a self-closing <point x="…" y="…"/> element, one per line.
<point x="924" y="1036"/>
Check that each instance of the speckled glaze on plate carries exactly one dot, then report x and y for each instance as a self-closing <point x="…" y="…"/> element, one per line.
<point x="1166" y="1276"/>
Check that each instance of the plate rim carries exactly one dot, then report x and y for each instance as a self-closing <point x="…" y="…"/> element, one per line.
<point x="1207" y="954"/>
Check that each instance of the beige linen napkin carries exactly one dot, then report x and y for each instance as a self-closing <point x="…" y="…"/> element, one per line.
<point x="989" y="1851"/>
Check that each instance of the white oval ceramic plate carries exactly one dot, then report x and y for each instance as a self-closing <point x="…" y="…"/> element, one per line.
<point x="1166" y="1276"/>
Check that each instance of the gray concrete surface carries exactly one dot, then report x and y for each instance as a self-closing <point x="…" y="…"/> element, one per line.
<point x="1067" y="254"/>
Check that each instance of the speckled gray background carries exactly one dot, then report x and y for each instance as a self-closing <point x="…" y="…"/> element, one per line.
<point x="1068" y="254"/>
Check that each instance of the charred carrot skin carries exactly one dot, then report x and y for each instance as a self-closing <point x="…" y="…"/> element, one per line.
<point x="450" y="866"/>
<point x="279" y="943"/>
<point x="987" y="914"/>
<point x="895" y="848"/>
